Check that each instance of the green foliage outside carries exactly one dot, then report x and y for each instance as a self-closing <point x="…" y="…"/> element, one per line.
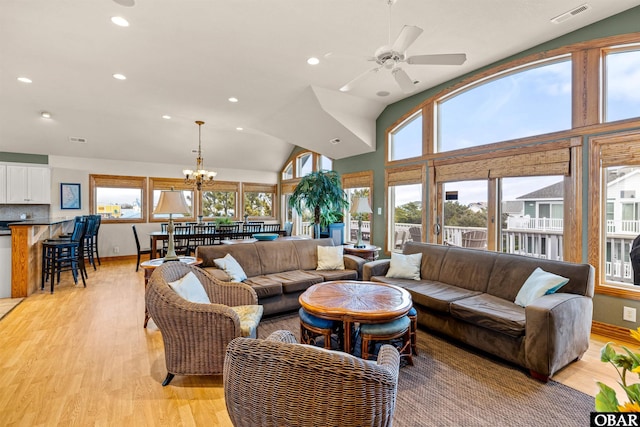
<point x="258" y="204"/>
<point x="409" y="213"/>
<point x="456" y="214"/>
<point x="216" y="204"/>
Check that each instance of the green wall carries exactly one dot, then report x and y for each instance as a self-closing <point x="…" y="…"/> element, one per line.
<point x="608" y="309"/>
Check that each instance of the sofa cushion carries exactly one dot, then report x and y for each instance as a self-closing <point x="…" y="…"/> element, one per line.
<point x="432" y="257"/>
<point x="245" y="254"/>
<point x="264" y="286"/>
<point x="433" y="295"/>
<point x="492" y="313"/>
<point x="307" y="250"/>
<point x="277" y="256"/>
<point x="296" y="280"/>
<point x="467" y="268"/>
<point x="328" y="275"/>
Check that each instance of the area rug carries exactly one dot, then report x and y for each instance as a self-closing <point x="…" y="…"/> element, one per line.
<point x="8" y="304"/>
<point x="455" y="385"/>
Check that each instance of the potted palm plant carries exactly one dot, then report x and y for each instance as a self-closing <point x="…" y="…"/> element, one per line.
<point x="322" y="193"/>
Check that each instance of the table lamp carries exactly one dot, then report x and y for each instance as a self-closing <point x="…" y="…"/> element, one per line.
<point x="171" y="202"/>
<point x="360" y="206"/>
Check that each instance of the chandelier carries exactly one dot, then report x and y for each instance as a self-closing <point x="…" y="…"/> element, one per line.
<point x="199" y="176"/>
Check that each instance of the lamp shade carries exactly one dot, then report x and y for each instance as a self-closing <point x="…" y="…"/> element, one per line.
<point x="361" y="205"/>
<point x="172" y="202"/>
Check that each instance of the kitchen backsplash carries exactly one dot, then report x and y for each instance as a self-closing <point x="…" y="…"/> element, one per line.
<point x="11" y="212"/>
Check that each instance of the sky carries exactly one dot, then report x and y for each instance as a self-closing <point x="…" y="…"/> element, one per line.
<point x="530" y="102"/>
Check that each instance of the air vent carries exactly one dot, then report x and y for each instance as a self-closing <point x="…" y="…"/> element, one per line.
<point x="77" y="140"/>
<point x="568" y="15"/>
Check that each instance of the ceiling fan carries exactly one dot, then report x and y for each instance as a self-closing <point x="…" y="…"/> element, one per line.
<point x="392" y="55"/>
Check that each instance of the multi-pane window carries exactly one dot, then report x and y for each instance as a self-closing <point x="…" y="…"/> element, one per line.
<point x="622" y="84"/>
<point x="325" y="163"/>
<point x="405" y="141"/>
<point x="464" y="216"/>
<point x="287" y="172"/>
<point x="405" y="221"/>
<point x="118" y="198"/>
<point x="528" y="102"/>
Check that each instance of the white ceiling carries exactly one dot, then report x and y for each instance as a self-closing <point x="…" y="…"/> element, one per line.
<point x="185" y="58"/>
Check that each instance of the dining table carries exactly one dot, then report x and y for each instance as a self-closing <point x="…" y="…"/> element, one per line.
<point x="219" y="238"/>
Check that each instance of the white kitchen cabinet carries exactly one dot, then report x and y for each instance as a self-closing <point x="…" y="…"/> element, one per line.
<point x="3" y="184"/>
<point x="28" y="185"/>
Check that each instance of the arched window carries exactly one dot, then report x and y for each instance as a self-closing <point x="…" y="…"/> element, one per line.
<point x="515" y="104"/>
<point x="622" y="84"/>
<point x="405" y="141"/>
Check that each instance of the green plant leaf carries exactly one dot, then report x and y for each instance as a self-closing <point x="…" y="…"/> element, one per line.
<point x="606" y="400"/>
<point x="633" y="392"/>
<point x="607" y="353"/>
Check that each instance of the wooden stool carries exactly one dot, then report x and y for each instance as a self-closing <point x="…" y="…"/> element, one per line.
<point x="312" y="327"/>
<point x="375" y="332"/>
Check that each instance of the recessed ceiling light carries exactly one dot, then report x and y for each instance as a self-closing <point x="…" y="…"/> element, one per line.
<point x="233" y="99"/>
<point x="119" y="76"/>
<point x="313" y="61"/>
<point x="239" y="128"/>
<point x="24" y="79"/>
<point x="45" y="115"/>
<point x="382" y="93"/>
<point x="166" y="117"/>
<point x="119" y="21"/>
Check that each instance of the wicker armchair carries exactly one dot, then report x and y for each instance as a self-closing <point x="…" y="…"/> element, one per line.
<point x="195" y="335"/>
<point x="277" y="382"/>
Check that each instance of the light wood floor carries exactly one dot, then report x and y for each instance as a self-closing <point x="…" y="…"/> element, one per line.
<point x="81" y="357"/>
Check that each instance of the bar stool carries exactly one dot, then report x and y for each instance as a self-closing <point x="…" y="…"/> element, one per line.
<point x="313" y="327"/>
<point x="387" y="332"/>
<point x="413" y="317"/>
<point x="64" y="254"/>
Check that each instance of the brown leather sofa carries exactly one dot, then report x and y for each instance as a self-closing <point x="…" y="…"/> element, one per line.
<point x="469" y="294"/>
<point x="280" y="270"/>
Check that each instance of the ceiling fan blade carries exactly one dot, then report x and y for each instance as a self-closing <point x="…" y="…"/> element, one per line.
<point x="403" y="80"/>
<point x="407" y="36"/>
<point x="353" y="83"/>
<point x="442" y="59"/>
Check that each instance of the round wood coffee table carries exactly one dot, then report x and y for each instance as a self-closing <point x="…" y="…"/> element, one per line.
<point x="350" y="301"/>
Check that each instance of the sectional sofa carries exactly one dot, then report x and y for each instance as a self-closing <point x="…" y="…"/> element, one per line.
<point x="469" y="294"/>
<point x="280" y="270"/>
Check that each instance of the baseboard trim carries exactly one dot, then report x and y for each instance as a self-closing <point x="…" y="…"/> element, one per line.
<point x="119" y="258"/>
<point x="611" y="331"/>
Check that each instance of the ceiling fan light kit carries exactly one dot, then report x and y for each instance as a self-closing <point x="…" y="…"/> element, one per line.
<point x="392" y="55"/>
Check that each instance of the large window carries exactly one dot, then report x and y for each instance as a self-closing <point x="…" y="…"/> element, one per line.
<point x="157" y="185"/>
<point x="118" y="198"/>
<point x="405" y="141"/>
<point x="532" y="101"/>
<point x="221" y="200"/>
<point x="622" y="84"/>
<point x="304" y="164"/>
<point x="464" y="216"/>
<point x="358" y="185"/>
<point x="259" y="200"/>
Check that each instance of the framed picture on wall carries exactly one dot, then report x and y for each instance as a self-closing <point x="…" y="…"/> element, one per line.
<point x="70" y="196"/>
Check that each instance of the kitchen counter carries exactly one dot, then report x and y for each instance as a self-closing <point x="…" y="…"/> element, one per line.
<point x="26" y="251"/>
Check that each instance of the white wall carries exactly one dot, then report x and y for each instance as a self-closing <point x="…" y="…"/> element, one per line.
<point x="77" y="170"/>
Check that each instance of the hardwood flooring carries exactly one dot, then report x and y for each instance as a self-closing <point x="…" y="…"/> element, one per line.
<point x="81" y="357"/>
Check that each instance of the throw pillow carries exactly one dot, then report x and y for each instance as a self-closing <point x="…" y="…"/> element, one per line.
<point x="231" y="267"/>
<point x="190" y="288"/>
<point x="405" y="266"/>
<point x="330" y="258"/>
<point x="537" y="284"/>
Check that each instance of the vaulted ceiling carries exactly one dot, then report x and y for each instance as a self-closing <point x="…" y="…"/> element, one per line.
<point x="186" y="58"/>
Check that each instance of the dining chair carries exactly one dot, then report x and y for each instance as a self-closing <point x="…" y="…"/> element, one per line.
<point x="140" y="251"/>
<point x="63" y="254"/>
<point x="182" y="239"/>
<point x="251" y="228"/>
<point x="208" y="238"/>
<point x="271" y="228"/>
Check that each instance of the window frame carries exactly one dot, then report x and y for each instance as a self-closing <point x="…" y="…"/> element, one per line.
<point x="118" y="181"/>
<point x="222" y="186"/>
<point x="167" y="184"/>
<point x="363" y="179"/>
<point x="248" y="187"/>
